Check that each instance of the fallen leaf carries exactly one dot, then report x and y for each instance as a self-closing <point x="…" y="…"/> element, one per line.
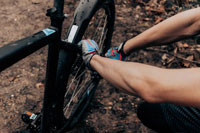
<point x="158" y="20"/>
<point x="175" y="51"/>
<point x="11" y="79"/>
<point x="147" y="19"/>
<point x="179" y="44"/>
<point x="170" y="60"/>
<point x="185" y="45"/>
<point x="164" y="57"/>
<point x="39" y="85"/>
<point x="186" y="63"/>
<point x="191" y="57"/>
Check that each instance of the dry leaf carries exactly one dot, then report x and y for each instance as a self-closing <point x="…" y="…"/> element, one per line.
<point x="175" y="51"/>
<point x="170" y="60"/>
<point x="179" y="44"/>
<point x="185" y="45"/>
<point x="158" y="20"/>
<point x="147" y="19"/>
<point x="164" y="57"/>
<point x="191" y="57"/>
<point x="39" y="85"/>
<point x="11" y="79"/>
<point x="186" y="63"/>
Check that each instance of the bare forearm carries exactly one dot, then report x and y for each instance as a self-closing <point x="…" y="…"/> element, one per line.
<point x="128" y="76"/>
<point x="182" y="25"/>
<point x="181" y="86"/>
<point x="151" y="83"/>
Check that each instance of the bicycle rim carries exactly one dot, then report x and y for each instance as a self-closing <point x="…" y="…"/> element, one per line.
<point x="82" y="82"/>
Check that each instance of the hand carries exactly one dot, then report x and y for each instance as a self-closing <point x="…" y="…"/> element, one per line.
<point x="89" y="49"/>
<point x="117" y="53"/>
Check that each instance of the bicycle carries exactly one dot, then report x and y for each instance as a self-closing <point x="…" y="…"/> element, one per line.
<point x="69" y="85"/>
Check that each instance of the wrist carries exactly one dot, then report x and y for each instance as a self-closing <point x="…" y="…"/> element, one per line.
<point x="131" y="46"/>
<point x="94" y="58"/>
<point x="122" y="50"/>
<point x="94" y="61"/>
<point x="125" y="50"/>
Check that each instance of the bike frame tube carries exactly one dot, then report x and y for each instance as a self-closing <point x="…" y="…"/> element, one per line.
<point x="15" y="51"/>
<point x="49" y="111"/>
<point x="18" y="50"/>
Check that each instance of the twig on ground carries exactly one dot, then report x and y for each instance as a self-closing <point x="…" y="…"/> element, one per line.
<point x="166" y="52"/>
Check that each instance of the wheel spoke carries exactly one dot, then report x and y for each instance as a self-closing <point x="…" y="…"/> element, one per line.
<point x="80" y="81"/>
<point x="103" y="35"/>
<point x="74" y="79"/>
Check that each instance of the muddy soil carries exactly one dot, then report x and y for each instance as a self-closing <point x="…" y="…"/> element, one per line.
<point x="22" y="85"/>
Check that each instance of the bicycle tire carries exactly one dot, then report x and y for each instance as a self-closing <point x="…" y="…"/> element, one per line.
<point x="70" y="66"/>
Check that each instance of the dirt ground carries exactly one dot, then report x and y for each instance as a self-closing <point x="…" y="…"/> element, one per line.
<point x="110" y="110"/>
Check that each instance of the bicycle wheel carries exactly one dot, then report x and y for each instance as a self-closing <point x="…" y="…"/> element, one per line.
<point x="76" y="83"/>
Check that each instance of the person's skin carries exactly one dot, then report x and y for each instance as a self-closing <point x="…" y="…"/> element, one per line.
<point x="177" y="27"/>
<point x="153" y="84"/>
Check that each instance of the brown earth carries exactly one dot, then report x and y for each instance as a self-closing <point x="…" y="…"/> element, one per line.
<point x="110" y="110"/>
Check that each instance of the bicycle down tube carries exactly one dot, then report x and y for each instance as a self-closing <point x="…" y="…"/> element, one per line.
<point x="15" y="51"/>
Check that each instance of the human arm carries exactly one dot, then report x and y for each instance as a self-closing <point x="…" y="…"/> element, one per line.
<point x="182" y="25"/>
<point x="178" y="86"/>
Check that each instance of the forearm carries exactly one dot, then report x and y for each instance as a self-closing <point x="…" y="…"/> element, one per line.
<point x="182" y="25"/>
<point x="181" y="86"/>
<point x="151" y="83"/>
<point x="128" y="76"/>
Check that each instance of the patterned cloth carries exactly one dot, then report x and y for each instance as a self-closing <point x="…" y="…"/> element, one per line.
<point x="181" y="118"/>
<point x="113" y="53"/>
<point x="89" y="49"/>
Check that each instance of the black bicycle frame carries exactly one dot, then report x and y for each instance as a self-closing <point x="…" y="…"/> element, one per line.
<point x="13" y="52"/>
<point x="48" y="115"/>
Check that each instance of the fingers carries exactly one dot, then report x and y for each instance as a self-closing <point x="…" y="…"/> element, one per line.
<point x="88" y="45"/>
